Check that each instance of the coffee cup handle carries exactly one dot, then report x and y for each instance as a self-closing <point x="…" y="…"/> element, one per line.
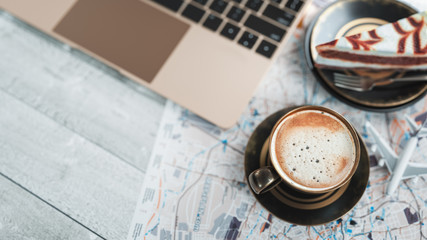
<point x="263" y="179"/>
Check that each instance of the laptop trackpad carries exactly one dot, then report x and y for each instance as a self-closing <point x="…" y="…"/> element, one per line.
<point x="131" y="34"/>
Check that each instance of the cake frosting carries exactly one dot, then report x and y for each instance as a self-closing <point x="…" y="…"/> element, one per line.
<point x="398" y="45"/>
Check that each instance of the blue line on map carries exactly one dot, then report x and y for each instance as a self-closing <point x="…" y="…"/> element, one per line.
<point x="170" y="191"/>
<point x="331" y="234"/>
<point x="246" y="123"/>
<point x="164" y="199"/>
<point x="383" y="213"/>
<point x="285" y="231"/>
<point x="157" y="224"/>
<point x="345" y="224"/>
<point x="318" y="234"/>
<point x="243" y="125"/>
<point x="368" y="116"/>
<point x="389" y="233"/>
<point x="275" y="236"/>
<point x="358" y="234"/>
<point x="190" y="164"/>
<point x="184" y="116"/>
<point x="365" y="132"/>
<point x="234" y="129"/>
<point x="407" y="135"/>
<point x="256" y="113"/>
<point x="412" y="191"/>
<point x="326" y="100"/>
<point x="257" y="220"/>
<point x="290" y="226"/>
<point x="225" y="144"/>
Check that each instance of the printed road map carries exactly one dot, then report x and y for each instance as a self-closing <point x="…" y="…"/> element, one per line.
<point x="195" y="186"/>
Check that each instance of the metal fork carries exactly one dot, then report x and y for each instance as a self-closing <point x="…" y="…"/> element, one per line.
<point x="361" y="84"/>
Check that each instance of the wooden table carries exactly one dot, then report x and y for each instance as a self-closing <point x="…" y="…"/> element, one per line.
<point x="75" y="139"/>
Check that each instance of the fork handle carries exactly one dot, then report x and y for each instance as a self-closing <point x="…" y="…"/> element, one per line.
<point x="411" y="79"/>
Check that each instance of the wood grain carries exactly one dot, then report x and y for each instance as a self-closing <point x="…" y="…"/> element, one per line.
<point x="24" y="216"/>
<point x="79" y="92"/>
<point x="66" y="170"/>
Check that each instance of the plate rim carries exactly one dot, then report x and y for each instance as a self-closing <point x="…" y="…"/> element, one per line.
<point x="310" y="63"/>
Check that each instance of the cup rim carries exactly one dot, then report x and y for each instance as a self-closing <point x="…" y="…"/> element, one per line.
<point x="301" y="187"/>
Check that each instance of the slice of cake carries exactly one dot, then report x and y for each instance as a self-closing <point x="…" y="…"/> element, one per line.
<point x="398" y="45"/>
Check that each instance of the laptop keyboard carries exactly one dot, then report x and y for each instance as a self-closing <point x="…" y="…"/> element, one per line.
<point x="253" y="24"/>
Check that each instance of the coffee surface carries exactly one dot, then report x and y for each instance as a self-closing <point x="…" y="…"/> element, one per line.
<point x="315" y="149"/>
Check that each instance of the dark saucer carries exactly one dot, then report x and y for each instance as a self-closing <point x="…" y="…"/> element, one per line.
<point x="299" y="208"/>
<point x="349" y="17"/>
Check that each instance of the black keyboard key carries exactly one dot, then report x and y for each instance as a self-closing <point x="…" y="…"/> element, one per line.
<point x="265" y="28"/>
<point x="254" y="4"/>
<point x="236" y="14"/>
<point x="193" y="13"/>
<point x="230" y="31"/>
<point x="218" y="6"/>
<point x="173" y="5"/>
<point x="212" y="22"/>
<point x="277" y="1"/>
<point x="203" y="2"/>
<point x="278" y="15"/>
<point x="266" y="49"/>
<point x="248" y="40"/>
<point x="294" y="4"/>
<point x="237" y="1"/>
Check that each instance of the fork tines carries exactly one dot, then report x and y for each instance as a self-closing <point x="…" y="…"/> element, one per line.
<point x="348" y="82"/>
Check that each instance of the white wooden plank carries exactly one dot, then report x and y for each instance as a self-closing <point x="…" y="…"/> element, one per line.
<point x="24" y="216"/>
<point x="79" y="92"/>
<point x="73" y="174"/>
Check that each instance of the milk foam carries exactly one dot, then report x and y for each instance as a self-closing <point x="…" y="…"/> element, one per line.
<point x="315" y="149"/>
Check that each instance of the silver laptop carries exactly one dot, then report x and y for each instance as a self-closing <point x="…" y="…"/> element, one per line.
<point x="206" y="55"/>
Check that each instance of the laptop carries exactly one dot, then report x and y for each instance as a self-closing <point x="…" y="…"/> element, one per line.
<point x="206" y="55"/>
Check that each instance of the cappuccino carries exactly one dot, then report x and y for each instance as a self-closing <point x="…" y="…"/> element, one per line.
<point x="314" y="149"/>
